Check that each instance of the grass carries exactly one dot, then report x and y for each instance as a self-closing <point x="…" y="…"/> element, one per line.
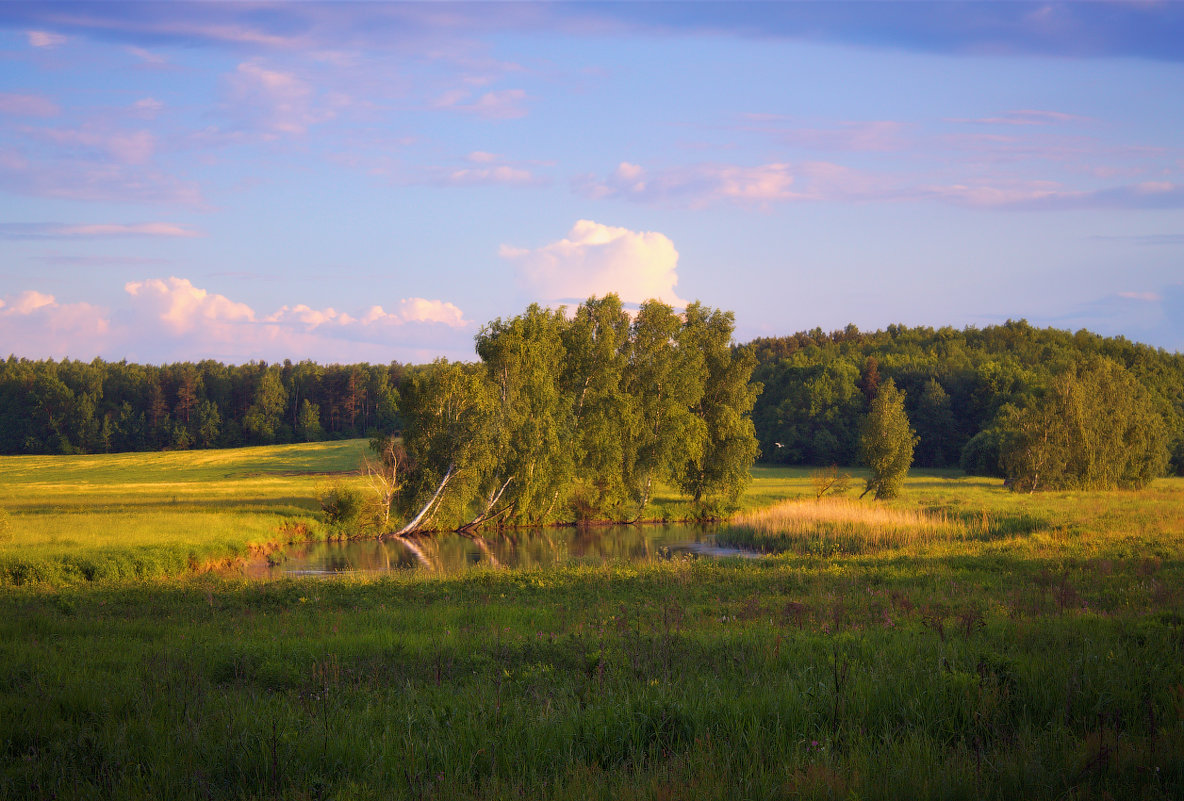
<point x="78" y="518"/>
<point x="839" y="525"/>
<point x="1044" y="661"/>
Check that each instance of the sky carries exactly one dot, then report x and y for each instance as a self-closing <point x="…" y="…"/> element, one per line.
<point x="369" y="181"/>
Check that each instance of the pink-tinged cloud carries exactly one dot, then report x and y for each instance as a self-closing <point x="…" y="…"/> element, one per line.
<point x="44" y="39"/>
<point x="1145" y="297"/>
<point x="276" y="102"/>
<point x="181" y="307"/>
<point x="123" y="147"/>
<point x="858" y="136"/>
<point x="595" y="259"/>
<point x="90" y="179"/>
<point x="172" y="316"/>
<point x="1025" y="117"/>
<point x="27" y="105"/>
<point x="696" y="185"/>
<point x="94" y="230"/>
<point x="35" y="324"/>
<point x="1050" y="195"/>
<point x="147" y="107"/>
<point x="421" y="310"/>
<point x="147" y="58"/>
<point x="409" y="311"/>
<point x="502" y="104"/>
<point x="503" y="174"/>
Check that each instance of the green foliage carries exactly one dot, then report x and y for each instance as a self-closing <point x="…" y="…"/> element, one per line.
<point x="887" y="441"/>
<point x="534" y="462"/>
<point x="263" y="418"/>
<point x="1095" y="427"/>
<point x="955" y="382"/>
<point x="581" y="419"/>
<point x="980" y="455"/>
<point x="730" y="445"/>
<point x="604" y="413"/>
<point x="308" y="423"/>
<point x="78" y="407"/>
<point x="341" y="505"/>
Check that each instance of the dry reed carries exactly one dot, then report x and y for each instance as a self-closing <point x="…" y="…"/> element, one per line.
<point x="838" y="525"/>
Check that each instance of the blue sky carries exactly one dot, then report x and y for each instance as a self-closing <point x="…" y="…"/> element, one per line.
<point x="373" y="181"/>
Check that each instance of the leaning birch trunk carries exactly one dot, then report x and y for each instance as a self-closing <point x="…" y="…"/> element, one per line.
<point x="481" y="518"/>
<point x="645" y="499"/>
<point x="414" y="524"/>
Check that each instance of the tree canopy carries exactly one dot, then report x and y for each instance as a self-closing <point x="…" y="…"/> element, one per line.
<point x="887" y="441"/>
<point x="818" y="386"/>
<point x="1094" y="427"/>
<point x="579" y="419"/>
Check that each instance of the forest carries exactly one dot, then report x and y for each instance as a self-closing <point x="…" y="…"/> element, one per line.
<point x="958" y="385"/>
<point x="963" y="389"/>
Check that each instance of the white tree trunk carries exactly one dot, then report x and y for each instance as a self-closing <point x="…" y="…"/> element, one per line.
<point x="415" y="521"/>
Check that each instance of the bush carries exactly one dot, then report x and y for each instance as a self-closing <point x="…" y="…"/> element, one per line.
<point x="980" y="455"/>
<point x="341" y="505"/>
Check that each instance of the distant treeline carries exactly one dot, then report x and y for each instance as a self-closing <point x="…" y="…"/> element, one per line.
<point x="105" y="407"/>
<point x="817" y="386"/>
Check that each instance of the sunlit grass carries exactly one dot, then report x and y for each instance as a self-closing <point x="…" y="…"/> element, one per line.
<point x="160" y="514"/>
<point x="1041" y="660"/>
<point x="841" y="525"/>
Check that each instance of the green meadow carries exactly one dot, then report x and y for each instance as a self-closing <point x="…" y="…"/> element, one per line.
<point x="972" y="643"/>
<point x="141" y="515"/>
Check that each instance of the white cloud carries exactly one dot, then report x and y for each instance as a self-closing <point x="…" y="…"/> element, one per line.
<point x="420" y="310"/>
<point x="181" y="306"/>
<point x="595" y="259"/>
<point x="190" y="322"/>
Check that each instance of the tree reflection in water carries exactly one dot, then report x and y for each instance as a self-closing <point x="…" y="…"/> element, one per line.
<point x="449" y="553"/>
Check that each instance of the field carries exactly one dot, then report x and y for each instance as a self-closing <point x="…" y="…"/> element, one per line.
<point x="1035" y="652"/>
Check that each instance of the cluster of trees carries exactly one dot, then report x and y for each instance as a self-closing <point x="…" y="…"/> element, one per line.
<point x="1093" y="427"/>
<point x="576" y="419"/>
<point x="99" y="407"/>
<point x="971" y="394"/>
<point x="609" y="404"/>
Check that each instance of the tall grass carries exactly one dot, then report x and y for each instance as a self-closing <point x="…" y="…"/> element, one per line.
<point x="843" y="526"/>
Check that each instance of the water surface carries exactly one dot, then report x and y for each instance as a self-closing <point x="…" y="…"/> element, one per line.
<point x="450" y="553"/>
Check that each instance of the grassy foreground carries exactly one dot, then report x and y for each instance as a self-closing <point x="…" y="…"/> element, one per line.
<point x="1034" y="660"/>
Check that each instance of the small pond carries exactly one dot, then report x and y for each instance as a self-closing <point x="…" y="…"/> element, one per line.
<point x="450" y="553"/>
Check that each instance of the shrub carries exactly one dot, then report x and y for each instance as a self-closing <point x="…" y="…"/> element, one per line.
<point x="341" y="505"/>
<point x="980" y="455"/>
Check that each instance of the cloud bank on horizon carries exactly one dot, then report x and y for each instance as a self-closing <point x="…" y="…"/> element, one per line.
<point x="371" y="181"/>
